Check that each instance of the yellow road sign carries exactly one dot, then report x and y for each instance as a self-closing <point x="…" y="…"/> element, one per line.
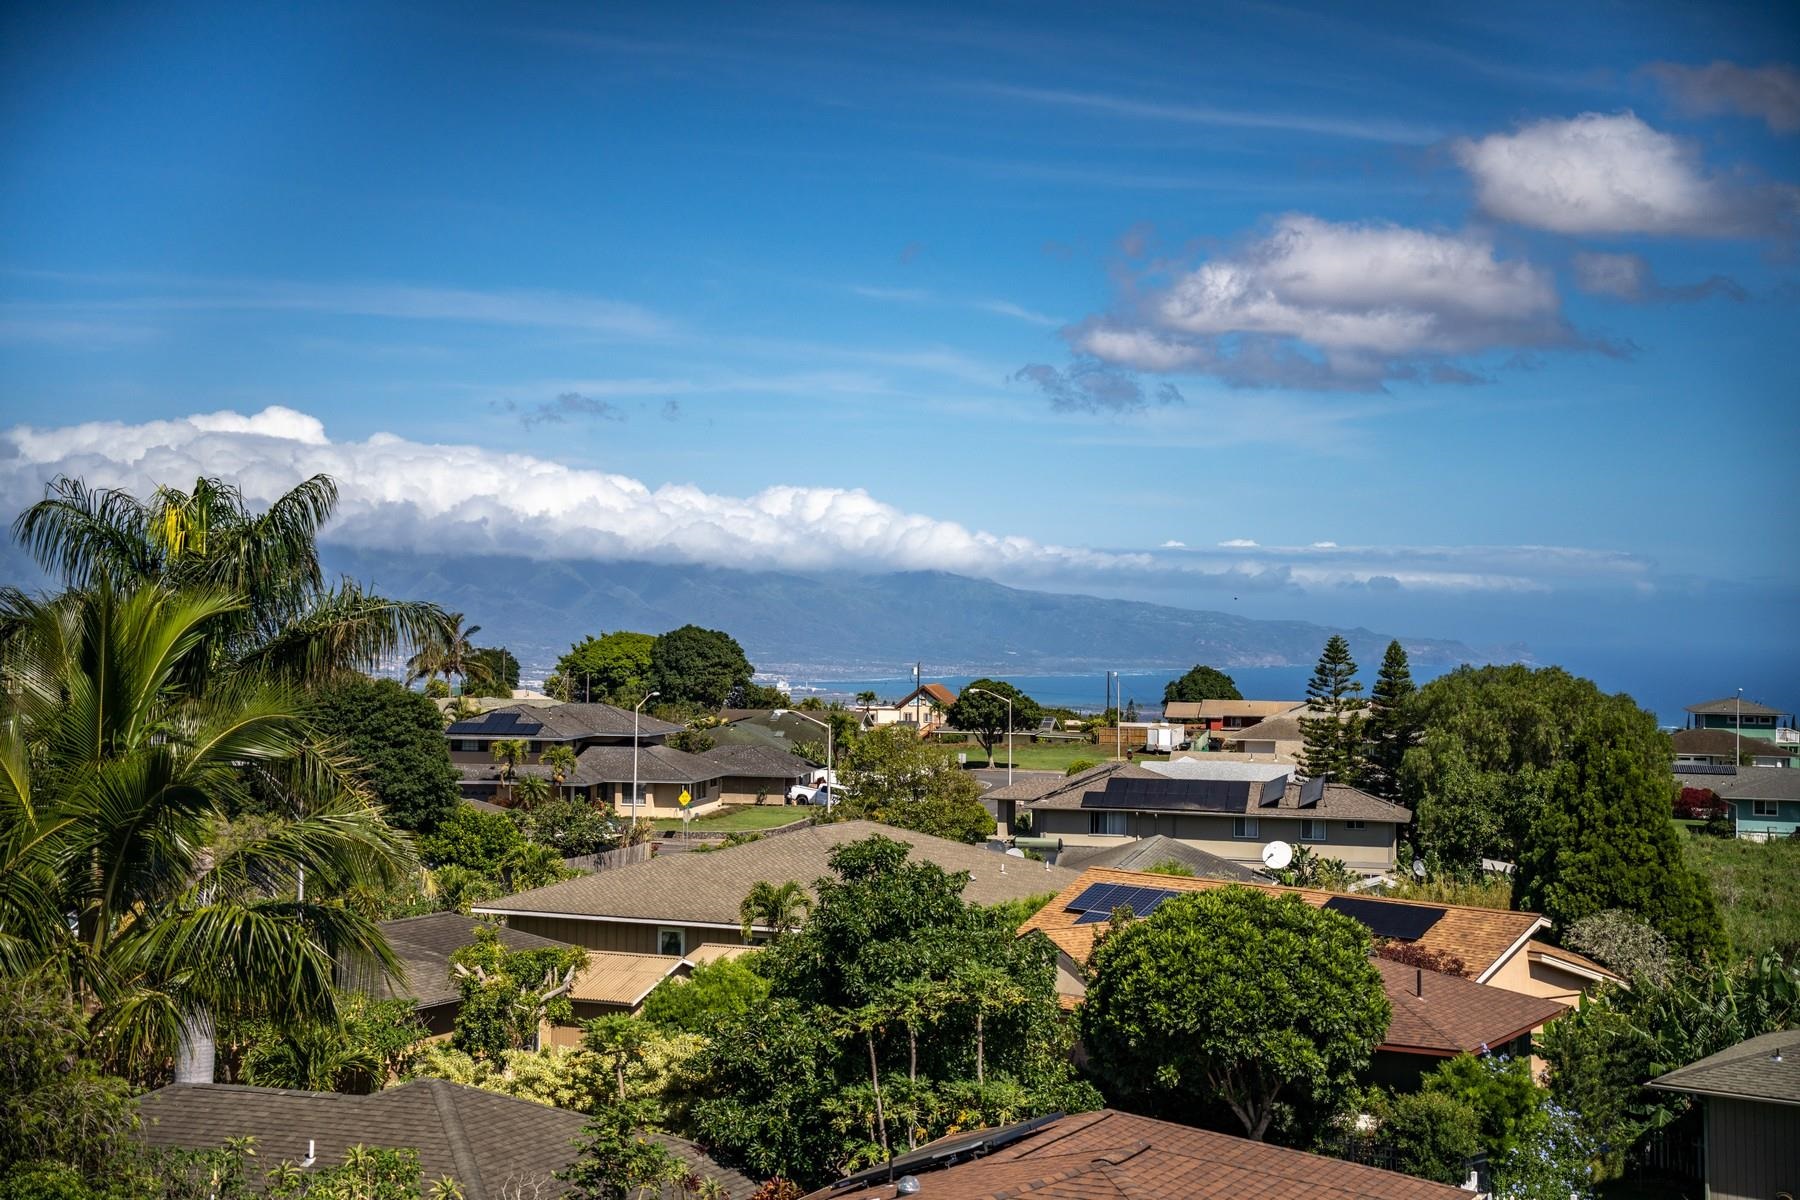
<point x="684" y="799"/>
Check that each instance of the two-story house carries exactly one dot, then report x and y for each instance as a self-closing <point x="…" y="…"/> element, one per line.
<point x="1231" y="809"/>
<point x="1764" y="734"/>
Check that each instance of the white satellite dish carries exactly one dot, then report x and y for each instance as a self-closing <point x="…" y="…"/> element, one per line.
<point x="1418" y="868"/>
<point x="1277" y="855"/>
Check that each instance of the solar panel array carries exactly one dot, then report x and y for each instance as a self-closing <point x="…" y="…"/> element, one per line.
<point x="1097" y="902"/>
<point x="1403" y="922"/>
<point x="496" y="724"/>
<point x="1165" y="795"/>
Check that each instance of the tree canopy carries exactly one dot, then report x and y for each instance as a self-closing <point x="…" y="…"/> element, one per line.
<point x="1488" y="745"/>
<point x="890" y="776"/>
<point x="1201" y="683"/>
<point x="1602" y="838"/>
<point x="697" y="667"/>
<point x="397" y="739"/>
<point x="980" y="710"/>
<point x="1261" y="1001"/>
<point x="613" y="668"/>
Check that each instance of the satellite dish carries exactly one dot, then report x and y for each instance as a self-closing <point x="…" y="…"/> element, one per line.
<point x="1277" y="855"/>
<point x="1418" y="868"/>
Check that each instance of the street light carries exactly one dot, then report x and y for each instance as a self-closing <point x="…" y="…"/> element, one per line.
<point x="637" y="801"/>
<point x="1008" y="700"/>
<point x="1737" y="748"/>
<point x="830" y="779"/>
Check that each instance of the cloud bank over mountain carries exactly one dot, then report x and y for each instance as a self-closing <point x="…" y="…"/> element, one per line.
<point x="400" y="494"/>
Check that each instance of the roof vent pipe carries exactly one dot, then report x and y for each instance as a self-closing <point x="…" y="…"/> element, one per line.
<point x="1419" y="983"/>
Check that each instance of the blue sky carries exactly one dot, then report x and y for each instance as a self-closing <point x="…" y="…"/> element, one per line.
<point x="1479" y="321"/>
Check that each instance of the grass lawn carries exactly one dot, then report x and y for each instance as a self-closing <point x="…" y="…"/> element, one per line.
<point x="1048" y="756"/>
<point x="1758" y="887"/>
<point x="740" y="818"/>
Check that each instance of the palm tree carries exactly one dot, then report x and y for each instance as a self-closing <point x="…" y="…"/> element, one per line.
<point x="121" y="757"/>
<point x="561" y="761"/>
<point x="449" y="652"/>
<point x="509" y="753"/>
<point x="779" y="908"/>
<point x="286" y="620"/>
<point x="531" y="791"/>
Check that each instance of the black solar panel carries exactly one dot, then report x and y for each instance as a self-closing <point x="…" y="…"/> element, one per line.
<point x="496" y="724"/>
<point x="1403" y="922"/>
<point x="1102" y="898"/>
<point x="1093" y="918"/>
<point x="1165" y="795"/>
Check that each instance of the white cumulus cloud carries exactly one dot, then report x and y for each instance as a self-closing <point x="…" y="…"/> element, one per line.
<point x="1611" y="173"/>
<point x="1316" y="303"/>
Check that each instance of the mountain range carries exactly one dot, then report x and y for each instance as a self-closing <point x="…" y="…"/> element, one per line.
<point x="844" y="625"/>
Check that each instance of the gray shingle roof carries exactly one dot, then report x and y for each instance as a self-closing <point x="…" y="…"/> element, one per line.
<point x="759" y="760"/>
<point x="1749" y="1070"/>
<point x="1728" y="707"/>
<point x="1748" y="783"/>
<point x="1153" y="851"/>
<point x="560" y="722"/>
<point x="483" y="1140"/>
<point x="424" y="946"/>
<point x="706" y="889"/>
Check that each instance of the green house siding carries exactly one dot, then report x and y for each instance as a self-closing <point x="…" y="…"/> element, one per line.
<point x="1758" y="727"/>
<point x="1785" y="821"/>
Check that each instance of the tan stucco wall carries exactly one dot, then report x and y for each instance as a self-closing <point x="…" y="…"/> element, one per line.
<point x="661" y="799"/>
<point x="742" y="789"/>
<point x="1371" y="849"/>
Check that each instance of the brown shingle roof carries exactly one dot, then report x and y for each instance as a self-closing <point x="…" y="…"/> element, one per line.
<point x="483" y="1140"/>
<point x="1108" y="1155"/>
<point x="1481" y="937"/>
<point x="1557" y="955"/>
<point x="1197" y="710"/>
<point x="424" y="946"/>
<point x="1143" y="853"/>
<point x="560" y="722"/>
<point x="1729" y="707"/>
<point x="1763" y="1068"/>
<point x="1454" y="1014"/>
<point x="761" y="761"/>
<point x="706" y="889"/>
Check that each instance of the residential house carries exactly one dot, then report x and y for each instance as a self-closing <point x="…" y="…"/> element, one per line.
<point x="605" y="766"/>
<point x="1764" y="801"/>
<point x="1497" y="947"/>
<point x="1278" y="738"/>
<point x="923" y="708"/>
<point x="676" y="903"/>
<point x="424" y="946"/>
<point x="1108" y="1155"/>
<point x="759" y="774"/>
<point x="494" y="1147"/>
<point x="1750" y="1097"/>
<point x="1747" y="717"/>
<point x="1724" y="748"/>
<point x="1218" y="717"/>
<point x="1229" y="809"/>
<point x="617" y="982"/>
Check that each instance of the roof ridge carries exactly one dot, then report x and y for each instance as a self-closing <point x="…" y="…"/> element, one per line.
<point x="468" y="1170"/>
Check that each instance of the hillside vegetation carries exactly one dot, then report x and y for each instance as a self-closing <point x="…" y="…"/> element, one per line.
<point x="1758" y="888"/>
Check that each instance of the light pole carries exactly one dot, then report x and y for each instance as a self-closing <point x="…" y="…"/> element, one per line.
<point x="1008" y="700"/>
<point x="637" y="801"/>
<point x="1737" y="748"/>
<point x="830" y="780"/>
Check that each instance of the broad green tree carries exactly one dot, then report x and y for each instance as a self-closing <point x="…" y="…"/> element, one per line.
<point x="1255" y="999"/>
<point x="1389" y="731"/>
<point x="714" y="991"/>
<point x="890" y="776"/>
<point x="1603" y="839"/>
<point x="508" y="994"/>
<point x="1332" y="741"/>
<point x="1490" y="740"/>
<point x="697" y="667"/>
<point x="980" y="710"/>
<point x="613" y="668"/>
<point x="1201" y="683"/>
<point x="396" y="738"/>
<point x="492" y="672"/>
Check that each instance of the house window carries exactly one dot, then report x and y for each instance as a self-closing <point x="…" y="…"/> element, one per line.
<point x="1765" y="808"/>
<point x="1112" y="823"/>
<point x="672" y="942"/>
<point x="1245" y="827"/>
<point x="1356" y="824"/>
<point x="1312" y="831"/>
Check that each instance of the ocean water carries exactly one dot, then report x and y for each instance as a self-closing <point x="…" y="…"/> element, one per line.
<point x="1664" y="680"/>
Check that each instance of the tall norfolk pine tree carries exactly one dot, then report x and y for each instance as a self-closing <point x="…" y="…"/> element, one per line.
<point x="1332" y="741"/>
<point x="1390" y="729"/>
